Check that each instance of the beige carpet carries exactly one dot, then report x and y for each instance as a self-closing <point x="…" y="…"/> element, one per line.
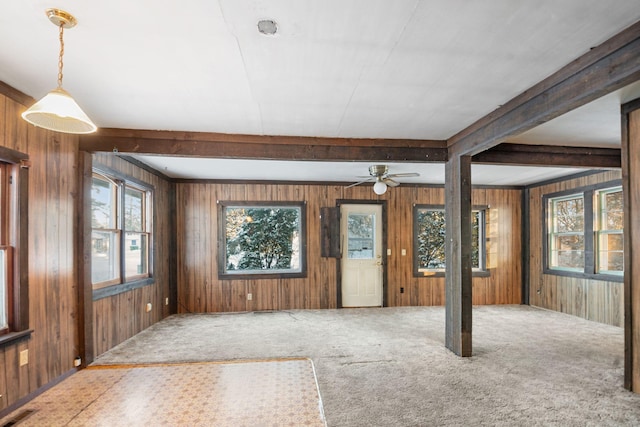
<point x="389" y="366"/>
<point x="243" y="394"/>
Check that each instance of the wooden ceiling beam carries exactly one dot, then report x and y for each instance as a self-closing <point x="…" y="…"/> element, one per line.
<point x="604" y="69"/>
<point x="231" y="146"/>
<point x="550" y="155"/>
<point x="15" y="94"/>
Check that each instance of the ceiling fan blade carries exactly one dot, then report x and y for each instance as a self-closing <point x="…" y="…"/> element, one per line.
<point x="359" y="182"/>
<point x="390" y="182"/>
<point x="403" y="175"/>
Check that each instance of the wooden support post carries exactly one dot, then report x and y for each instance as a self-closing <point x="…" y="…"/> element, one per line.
<point x="631" y="191"/>
<point x="458" y="254"/>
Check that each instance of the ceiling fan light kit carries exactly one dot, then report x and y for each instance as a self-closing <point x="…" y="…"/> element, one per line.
<point x="379" y="188"/>
<point x="58" y="111"/>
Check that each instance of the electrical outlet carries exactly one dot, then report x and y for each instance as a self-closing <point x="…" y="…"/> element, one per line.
<point x="149" y="306"/>
<point x="166" y="301"/>
<point x="404" y="252"/>
<point x="402" y="290"/>
<point x="389" y="252"/>
<point x="249" y="297"/>
<point x="77" y="362"/>
<point x="24" y="357"/>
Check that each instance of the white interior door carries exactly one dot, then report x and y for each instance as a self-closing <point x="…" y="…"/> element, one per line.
<point x="362" y="266"/>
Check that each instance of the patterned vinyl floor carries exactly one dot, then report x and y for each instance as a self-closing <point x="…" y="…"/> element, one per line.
<point x="253" y="393"/>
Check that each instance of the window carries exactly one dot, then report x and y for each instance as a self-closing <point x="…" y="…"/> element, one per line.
<point x="136" y="247"/>
<point x="261" y="239"/>
<point x="609" y="231"/>
<point x="429" y="240"/>
<point x="121" y="231"/>
<point x="14" y="304"/>
<point x="584" y="229"/>
<point x="105" y="236"/>
<point x="5" y="289"/>
<point x="361" y="233"/>
<point x="5" y="251"/>
<point x="566" y="233"/>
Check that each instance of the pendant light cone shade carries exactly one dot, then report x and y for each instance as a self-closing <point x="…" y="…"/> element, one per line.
<point x="379" y="188"/>
<point x="59" y="112"/>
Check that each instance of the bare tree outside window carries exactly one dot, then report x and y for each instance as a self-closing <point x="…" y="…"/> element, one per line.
<point x="566" y="239"/>
<point x="431" y="239"/>
<point x="430" y="229"/>
<point x="361" y="236"/>
<point x="586" y="220"/>
<point x="610" y="231"/>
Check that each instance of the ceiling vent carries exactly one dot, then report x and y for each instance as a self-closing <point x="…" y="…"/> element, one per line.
<point x="267" y="27"/>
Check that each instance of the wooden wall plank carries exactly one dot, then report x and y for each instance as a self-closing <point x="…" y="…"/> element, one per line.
<point x="5" y="370"/>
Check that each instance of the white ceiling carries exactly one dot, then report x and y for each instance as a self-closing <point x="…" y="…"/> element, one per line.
<point x="413" y="69"/>
<point x="596" y="124"/>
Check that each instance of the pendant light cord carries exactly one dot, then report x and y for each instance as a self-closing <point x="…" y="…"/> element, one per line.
<point x="60" y="64"/>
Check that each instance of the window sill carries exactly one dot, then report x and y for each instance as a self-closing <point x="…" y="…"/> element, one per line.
<point x="581" y="275"/>
<point x="113" y="290"/>
<point x="252" y="276"/>
<point x="429" y="274"/>
<point x="12" y="337"/>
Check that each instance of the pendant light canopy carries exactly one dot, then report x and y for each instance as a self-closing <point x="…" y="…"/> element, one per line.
<point x="58" y="111"/>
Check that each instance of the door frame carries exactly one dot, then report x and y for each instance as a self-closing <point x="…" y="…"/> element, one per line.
<point x="341" y="202"/>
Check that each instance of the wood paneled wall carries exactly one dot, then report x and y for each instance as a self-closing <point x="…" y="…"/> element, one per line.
<point x="596" y="300"/>
<point x="53" y="308"/>
<point x="119" y="317"/>
<point x="200" y="290"/>
<point x="54" y="312"/>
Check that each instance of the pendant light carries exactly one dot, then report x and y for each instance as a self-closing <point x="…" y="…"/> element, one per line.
<point x="58" y="111"/>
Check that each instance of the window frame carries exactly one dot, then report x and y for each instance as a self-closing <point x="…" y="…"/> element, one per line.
<point x="600" y="231"/>
<point x="115" y="231"/>
<point x="481" y="271"/>
<point x="590" y="233"/>
<point x="14" y="240"/>
<point x="123" y="282"/>
<point x="552" y="235"/>
<point x="147" y="225"/>
<point x="262" y="274"/>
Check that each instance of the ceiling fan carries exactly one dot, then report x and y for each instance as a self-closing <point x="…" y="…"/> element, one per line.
<point x="382" y="178"/>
